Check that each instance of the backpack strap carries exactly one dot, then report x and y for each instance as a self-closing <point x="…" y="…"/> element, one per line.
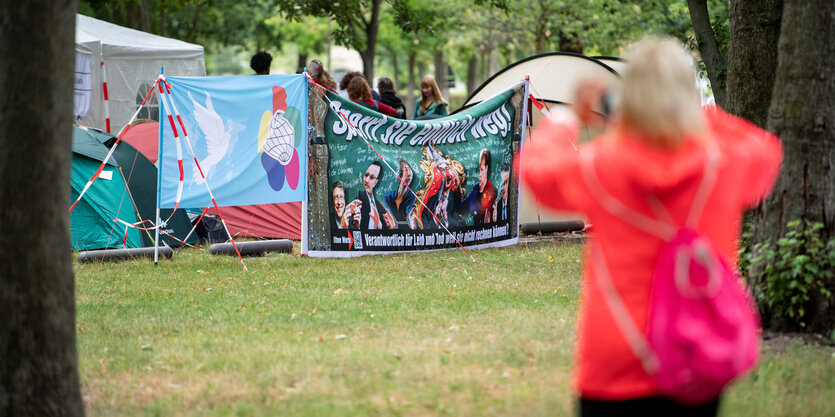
<point x="636" y="340"/>
<point x="634" y="337"/>
<point x="648" y="224"/>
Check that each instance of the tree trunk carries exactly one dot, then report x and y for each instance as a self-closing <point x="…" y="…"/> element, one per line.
<point x="395" y="68"/>
<point x="302" y="61"/>
<point x="144" y="16"/>
<point x="709" y="49"/>
<point x="472" y="70"/>
<point x="116" y="13"/>
<point x="801" y="114"/>
<point x="193" y="29"/>
<point x="485" y="52"/>
<point x="410" y="90"/>
<point x="38" y="357"/>
<point x="370" y="50"/>
<point x="752" y="57"/>
<point x="493" y="60"/>
<point x="162" y="26"/>
<point x="440" y="72"/>
<point x="132" y="15"/>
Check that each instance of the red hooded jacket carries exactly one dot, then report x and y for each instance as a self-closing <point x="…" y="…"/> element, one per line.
<point x="630" y="169"/>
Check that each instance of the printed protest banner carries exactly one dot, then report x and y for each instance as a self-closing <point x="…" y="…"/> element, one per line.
<point x="458" y="184"/>
<point x="248" y="134"/>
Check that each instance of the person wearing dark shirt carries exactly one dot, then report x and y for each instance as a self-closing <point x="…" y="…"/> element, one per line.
<point x="260" y="63"/>
<point x="388" y="96"/>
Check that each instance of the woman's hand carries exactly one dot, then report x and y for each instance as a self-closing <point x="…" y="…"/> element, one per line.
<point x="588" y="98"/>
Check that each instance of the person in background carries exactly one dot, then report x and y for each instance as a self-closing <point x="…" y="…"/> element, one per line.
<point x="359" y="92"/>
<point x="260" y="63"/>
<point x="320" y="75"/>
<point x="388" y="96"/>
<point x="346" y="80"/>
<point x="430" y="104"/>
<point x="659" y="147"/>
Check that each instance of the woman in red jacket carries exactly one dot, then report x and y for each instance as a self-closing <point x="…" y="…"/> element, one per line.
<point x="652" y="160"/>
<point x="360" y="93"/>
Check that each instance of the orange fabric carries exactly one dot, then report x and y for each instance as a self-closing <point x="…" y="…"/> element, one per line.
<point x="750" y="160"/>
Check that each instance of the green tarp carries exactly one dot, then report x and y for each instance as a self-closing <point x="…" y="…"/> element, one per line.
<point x="92" y="225"/>
<point x="92" y="220"/>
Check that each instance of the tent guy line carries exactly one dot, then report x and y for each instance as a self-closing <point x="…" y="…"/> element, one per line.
<point x="165" y="94"/>
<point x="158" y="83"/>
<point x="112" y="149"/>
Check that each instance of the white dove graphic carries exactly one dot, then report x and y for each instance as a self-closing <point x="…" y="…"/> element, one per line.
<point x="217" y="137"/>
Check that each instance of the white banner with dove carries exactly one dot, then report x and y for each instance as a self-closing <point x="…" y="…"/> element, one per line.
<point x="248" y="134"/>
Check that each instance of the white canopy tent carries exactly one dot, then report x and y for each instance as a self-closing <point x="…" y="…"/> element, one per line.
<point x="129" y="61"/>
<point x="553" y="77"/>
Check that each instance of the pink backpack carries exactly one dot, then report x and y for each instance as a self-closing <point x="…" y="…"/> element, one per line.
<point x="703" y="328"/>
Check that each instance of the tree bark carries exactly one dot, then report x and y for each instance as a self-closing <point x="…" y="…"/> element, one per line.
<point x="193" y="29"/>
<point x="162" y="26"/>
<point x="440" y="72"/>
<point x="131" y="15"/>
<point x="709" y="49"/>
<point x="472" y="70"/>
<point x="395" y="67"/>
<point x="302" y="61"/>
<point x="752" y="57"/>
<point x="38" y="357"/>
<point x="371" y="31"/>
<point x="144" y="16"/>
<point x="801" y="114"/>
<point x="410" y="90"/>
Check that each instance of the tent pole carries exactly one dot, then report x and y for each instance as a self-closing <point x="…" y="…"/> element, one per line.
<point x="156" y="237"/>
<point x="159" y="180"/>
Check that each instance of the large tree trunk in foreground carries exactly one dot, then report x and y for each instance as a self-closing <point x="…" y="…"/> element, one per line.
<point x="802" y="115"/>
<point x="752" y="57"/>
<point x="38" y="358"/>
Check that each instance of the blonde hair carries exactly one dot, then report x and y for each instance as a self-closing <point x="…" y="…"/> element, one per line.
<point x="660" y="102"/>
<point x="430" y="82"/>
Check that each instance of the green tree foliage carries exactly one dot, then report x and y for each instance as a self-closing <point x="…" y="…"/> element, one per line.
<point x="358" y="21"/>
<point x="241" y="23"/>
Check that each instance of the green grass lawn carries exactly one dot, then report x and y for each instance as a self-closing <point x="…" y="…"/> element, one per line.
<point x="405" y="335"/>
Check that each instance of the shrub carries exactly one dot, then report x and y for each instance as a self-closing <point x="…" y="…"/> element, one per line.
<point x="800" y="266"/>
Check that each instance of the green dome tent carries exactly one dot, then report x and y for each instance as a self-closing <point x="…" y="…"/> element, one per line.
<point x="91" y="222"/>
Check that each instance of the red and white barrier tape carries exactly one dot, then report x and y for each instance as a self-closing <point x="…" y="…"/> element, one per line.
<point x="112" y="149"/>
<point x="165" y="93"/>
